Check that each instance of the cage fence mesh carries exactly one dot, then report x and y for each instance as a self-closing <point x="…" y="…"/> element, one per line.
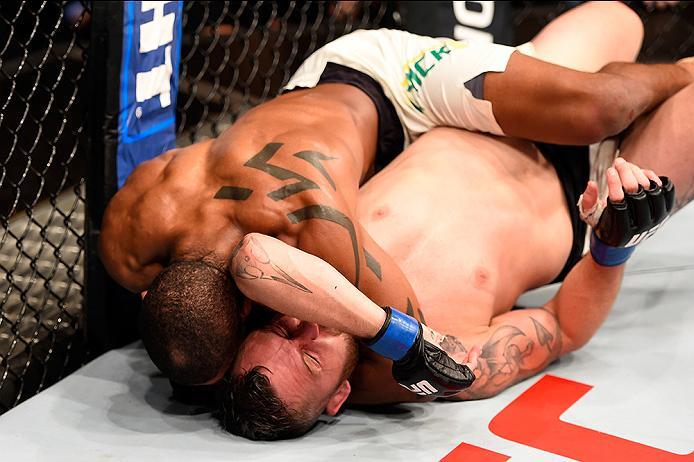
<point x="42" y="74"/>
<point x="234" y="55"/>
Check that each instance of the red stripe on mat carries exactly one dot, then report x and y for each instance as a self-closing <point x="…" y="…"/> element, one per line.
<point x="532" y="419"/>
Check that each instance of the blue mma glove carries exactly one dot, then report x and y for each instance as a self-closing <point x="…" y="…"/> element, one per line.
<point x="625" y="224"/>
<point x="418" y="365"/>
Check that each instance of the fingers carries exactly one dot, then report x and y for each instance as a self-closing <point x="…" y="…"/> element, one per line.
<point x="640" y="176"/>
<point x="653" y="177"/>
<point x="626" y="175"/>
<point x="473" y="357"/>
<point x="614" y="185"/>
<point x="590" y="196"/>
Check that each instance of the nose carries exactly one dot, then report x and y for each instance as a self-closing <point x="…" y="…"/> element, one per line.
<point x="301" y="330"/>
<point x="307" y="331"/>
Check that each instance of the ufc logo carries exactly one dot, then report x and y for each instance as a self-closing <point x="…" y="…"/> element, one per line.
<point x="638" y="238"/>
<point x="422" y="388"/>
<point x="153" y="35"/>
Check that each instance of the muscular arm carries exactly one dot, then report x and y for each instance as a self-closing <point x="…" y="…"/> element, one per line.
<point x="318" y="215"/>
<point x="301" y="285"/>
<point x="135" y="229"/>
<point x="536" y="100"/>
<point x="521" y="343"/>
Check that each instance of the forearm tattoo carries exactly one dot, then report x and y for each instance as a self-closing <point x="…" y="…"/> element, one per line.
<point x="509" y="355"/>
<point x="255" y="263"/>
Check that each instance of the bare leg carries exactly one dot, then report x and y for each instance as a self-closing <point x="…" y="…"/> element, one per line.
<point x="591" y="35"/>
<point x="662" y="141"/>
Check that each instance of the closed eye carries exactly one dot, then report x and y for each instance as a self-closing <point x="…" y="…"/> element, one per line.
<point x="281" y="331"/>
<point x="312" y="362"/>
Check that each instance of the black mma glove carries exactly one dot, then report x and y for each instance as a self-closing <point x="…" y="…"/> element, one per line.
<point x="625" y="224"/>
<point x="418" y="365"/>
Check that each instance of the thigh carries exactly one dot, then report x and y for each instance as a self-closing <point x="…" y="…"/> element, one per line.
<point x="591" y="35"/>
<point x="662" y="141"/>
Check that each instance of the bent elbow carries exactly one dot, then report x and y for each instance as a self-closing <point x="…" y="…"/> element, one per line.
<point x="573" y="342"/>
<point x="604" y="117"/>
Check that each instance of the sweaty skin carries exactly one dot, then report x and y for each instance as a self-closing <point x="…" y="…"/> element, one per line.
<point x="289" y="168"/>
<point x="466" y="216"/>
<point x="468" y="287"/>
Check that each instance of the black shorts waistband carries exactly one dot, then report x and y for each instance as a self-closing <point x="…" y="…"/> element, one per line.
<point x="391" y="139"/>
<point x="572" y="164"/>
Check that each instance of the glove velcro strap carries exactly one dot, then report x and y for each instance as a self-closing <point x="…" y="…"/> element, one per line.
<point x="397" y="335"/>
<point x="607" y="255"/>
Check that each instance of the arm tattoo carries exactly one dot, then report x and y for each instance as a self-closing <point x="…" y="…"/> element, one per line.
<point x="452" y="345"/>
<point x="543" y="335"/>
<point x="504" y="353"/>
<point x="325" y="212"/>
<point x="373" y="264"/>
<point x="260" y="162"/>
<point x="258" y="265"/>
<point x="506" y="356"/>
<point x="410" y="312"/>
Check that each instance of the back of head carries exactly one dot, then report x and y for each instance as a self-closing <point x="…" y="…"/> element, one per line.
<point x="190" y="322"/>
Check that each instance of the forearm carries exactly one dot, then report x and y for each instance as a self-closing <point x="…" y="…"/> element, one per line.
<point x="301" y="285"/>
<point x="584" y="301"/>
<point x="361" y="260"/>
<point x="521" y="343"/>
<point x="636" y="89"/>
<point x="540" y="101"/>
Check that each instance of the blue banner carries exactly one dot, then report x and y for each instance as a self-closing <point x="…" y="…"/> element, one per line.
<point x="148" y="82"/>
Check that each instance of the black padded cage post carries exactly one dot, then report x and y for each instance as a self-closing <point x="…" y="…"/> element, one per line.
<point x="111" y="310"/>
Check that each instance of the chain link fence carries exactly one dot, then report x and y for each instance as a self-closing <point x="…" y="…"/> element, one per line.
<point x="234" y="55"/>
<point x="42" y="80"/>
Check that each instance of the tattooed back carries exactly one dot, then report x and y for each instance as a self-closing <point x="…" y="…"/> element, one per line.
<point x="305" y="147"/>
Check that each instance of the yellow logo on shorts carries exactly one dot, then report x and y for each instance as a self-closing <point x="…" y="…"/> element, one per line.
<point x="418" y="68"/>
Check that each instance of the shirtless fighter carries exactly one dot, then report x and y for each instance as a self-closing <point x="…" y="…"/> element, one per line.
<point x="291" y="168"/>
<point x="474" y="221"/>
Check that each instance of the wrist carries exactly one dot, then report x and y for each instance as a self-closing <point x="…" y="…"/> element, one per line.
<point x="396" y="336"/>
<point x="607" y="255"/>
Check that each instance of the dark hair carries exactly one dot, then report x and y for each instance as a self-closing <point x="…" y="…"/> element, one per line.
<point x="190" y="321"/>
<point x="250" y="408"/>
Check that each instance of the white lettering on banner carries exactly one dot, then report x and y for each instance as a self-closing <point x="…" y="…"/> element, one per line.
<point x="159" y="31"/>
<point x="153" y="35"/>
<point x="471" y="20"/>
<point x="156" y="81"/>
